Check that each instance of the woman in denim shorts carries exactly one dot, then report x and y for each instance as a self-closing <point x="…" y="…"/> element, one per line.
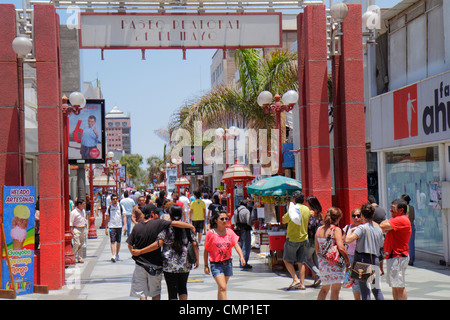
<point x="219" y="243"/>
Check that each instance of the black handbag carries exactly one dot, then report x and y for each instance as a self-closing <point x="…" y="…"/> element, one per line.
<point x="191" y="258"/>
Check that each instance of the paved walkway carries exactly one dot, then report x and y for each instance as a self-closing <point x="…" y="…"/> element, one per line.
<point x="100" y="279"/>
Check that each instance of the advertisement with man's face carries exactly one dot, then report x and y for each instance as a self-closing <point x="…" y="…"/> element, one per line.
<point x="87" y="133"/>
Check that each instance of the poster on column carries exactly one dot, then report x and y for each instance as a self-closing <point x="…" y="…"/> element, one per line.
<point x="87" y="133"/>
<point x="19" y="226"/>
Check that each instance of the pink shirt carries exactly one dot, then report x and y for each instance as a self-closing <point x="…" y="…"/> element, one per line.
<point x="220" y="247"/>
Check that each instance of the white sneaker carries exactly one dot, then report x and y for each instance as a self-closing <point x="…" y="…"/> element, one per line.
<point x="113" y="258"/>
<point x="117" y="257"/>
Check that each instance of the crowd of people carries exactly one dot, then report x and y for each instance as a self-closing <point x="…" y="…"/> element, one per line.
<point x="367" y="241"/>
<point x="167" y="233"/>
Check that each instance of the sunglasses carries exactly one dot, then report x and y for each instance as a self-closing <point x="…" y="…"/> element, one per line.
<point x="223" y="219"/>
<point x="356" y="216"/>
<point x="114" y="199"/>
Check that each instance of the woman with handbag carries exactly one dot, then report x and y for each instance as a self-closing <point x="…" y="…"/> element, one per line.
<point x="356" y="221"/>
<point x="369" y="239"/>
<point x="176" y="265"/>
<point x="333" y="257"/>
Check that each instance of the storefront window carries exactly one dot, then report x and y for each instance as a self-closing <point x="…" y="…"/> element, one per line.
<point x="413" y="172"/>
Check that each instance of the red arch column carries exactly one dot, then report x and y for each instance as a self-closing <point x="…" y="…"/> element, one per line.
<point x="349" y="118"/>
<point x="10" y="169"/>
<point x="10" y="165"/>
<point x="313" y="104"/>
<point x="50" y="133"/>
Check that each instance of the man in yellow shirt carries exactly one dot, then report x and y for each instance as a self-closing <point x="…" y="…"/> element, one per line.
<point x="197" y="214"/>
<point x="296" y="241"/>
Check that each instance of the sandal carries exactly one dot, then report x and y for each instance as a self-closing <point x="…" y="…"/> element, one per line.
<point x="299" y="286"/>
<point x="294" y="285"/>
<point x="316" y="283"/>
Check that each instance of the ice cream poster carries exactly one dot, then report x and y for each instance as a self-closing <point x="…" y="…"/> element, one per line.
<point x="18" y="223"/>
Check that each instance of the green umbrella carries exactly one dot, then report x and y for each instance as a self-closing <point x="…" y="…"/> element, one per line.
<point x="275" y="186"/>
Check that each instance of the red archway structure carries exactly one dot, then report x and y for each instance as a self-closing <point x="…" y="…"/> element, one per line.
<point x="235" y="175"/>
<point x="348" y="101"/>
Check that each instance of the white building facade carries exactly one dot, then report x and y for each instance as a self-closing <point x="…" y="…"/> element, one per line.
<point x="408" y="117"/>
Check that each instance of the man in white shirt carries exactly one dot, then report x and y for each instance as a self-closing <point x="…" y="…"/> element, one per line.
<point x="185" y="201"/>
<point x="115" y="218"/>
<point x="128" y="204"/>
<point x="77" y="224"/>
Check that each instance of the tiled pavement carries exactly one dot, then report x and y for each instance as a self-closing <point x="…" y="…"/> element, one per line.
<point x="100" y="279"/>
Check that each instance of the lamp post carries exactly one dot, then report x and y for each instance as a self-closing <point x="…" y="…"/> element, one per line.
<point x="285" y="103"/>
<point x="92" y="233"/>
<point x="230" y="133"/>
<point x="113" y="166"/>
<point x="22" y="46"/>
<point x="338" y="12"/>
<point x="77" y="103"/>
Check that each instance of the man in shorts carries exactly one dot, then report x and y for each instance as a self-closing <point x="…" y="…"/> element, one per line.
<point x="396" y="247"/>
<point x="197" y="214"/>
<point x="296" y="241"/>
<point x="147" y="276"/>
<point x="115" y="219"/>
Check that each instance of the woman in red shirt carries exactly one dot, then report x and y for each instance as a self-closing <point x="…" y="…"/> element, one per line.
<point x="219" y="243"/>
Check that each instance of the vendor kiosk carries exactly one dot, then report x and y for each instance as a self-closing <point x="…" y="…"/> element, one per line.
<point x="236" y="175"/>
<point x="104" y="182"/>
<point x="273" y="193"/>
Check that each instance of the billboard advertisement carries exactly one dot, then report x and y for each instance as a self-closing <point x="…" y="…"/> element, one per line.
<point x="87" y="133"/>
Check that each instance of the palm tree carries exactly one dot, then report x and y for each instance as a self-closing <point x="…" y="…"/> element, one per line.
<point x="236" y="104"/>
<point x="155" y="164"/>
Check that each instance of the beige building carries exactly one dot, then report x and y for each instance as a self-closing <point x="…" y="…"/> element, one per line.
<point x="118" y="130"/>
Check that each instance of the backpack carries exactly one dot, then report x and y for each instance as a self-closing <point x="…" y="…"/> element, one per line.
<point x="217" y="207"/>
<point x="240" y="226"/>
<point x="120" y="207"/>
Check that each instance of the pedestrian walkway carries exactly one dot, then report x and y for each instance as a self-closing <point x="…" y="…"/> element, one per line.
<point x="98" y="278"/>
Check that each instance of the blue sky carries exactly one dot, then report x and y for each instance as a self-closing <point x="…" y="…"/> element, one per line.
<point x="150" y="90"/>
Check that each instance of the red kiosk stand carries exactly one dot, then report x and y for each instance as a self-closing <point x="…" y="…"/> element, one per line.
<point x="236" y="175"/>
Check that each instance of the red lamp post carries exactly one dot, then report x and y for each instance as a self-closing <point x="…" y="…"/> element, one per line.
<point x="92" y="233"/>
<point x="287" y="103"/>
<point x="78" y="102"/>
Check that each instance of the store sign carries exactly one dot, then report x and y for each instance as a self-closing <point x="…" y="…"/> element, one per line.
<point x="158" y="31"/>
<point x="192" y="157"/>
<point x="19" y="226"/>
<point x="416" y="114"/>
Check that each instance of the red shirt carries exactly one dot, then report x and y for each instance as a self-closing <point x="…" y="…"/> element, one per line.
<point x="181" y="204"/>
<point x="397" y="239"/>
<point x="220" y="247"/>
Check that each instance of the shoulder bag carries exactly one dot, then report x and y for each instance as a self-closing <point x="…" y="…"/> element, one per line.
<point x="330" y="252"/>
<point x="294" y="214"/>
<point x="191" y="258"/>
<point x="362" y="271"/>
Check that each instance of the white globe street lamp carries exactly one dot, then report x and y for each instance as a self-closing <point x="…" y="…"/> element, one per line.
<point x="22" y="45"/>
